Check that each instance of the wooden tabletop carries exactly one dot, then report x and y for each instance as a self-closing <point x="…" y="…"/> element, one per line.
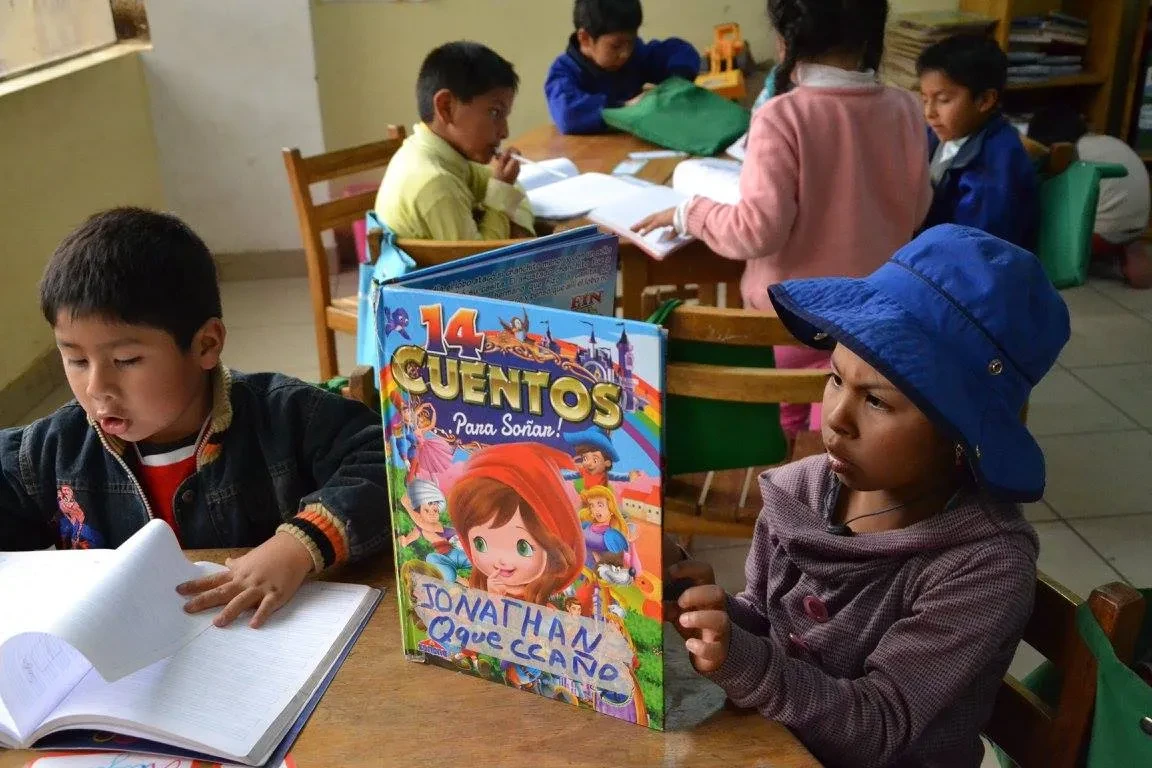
<point x="383" y="710"/>
<point x="694" y="264"/>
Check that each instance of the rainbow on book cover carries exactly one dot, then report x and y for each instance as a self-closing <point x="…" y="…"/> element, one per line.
<point x="524" y="448"/>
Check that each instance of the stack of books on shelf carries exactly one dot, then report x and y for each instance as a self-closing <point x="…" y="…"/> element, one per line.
<point x="910" y="33"/>
<point x="1046" y="46"/>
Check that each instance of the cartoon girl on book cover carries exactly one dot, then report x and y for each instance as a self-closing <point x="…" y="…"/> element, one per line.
<point x="516" y="522"/>
<point x="434" y="452"/>
<point x="605" y="530"/>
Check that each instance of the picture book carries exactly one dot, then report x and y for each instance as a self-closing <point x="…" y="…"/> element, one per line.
<point x="98" y="640"/>
<point x="524" y="456"/>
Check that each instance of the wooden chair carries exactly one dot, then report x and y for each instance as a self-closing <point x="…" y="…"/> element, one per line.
<point x="314" y="218"/>
<point x="1033" y="732"/>
<point x="712" y="504"/>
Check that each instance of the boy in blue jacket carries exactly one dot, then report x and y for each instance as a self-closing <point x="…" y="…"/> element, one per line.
<point x="981" y="173"/>
<point x="607" y="65"/>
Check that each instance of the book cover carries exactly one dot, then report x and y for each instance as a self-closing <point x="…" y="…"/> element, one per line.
<point x="524" y="455"/>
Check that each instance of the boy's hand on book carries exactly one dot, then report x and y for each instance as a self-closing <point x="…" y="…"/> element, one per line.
<point x="265" y="579"/>
<point x="661" y="220"/>
<point x="684" y="577"/>
<point x="505" y="166"/>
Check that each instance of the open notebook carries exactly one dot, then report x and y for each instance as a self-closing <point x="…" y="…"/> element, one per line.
<point x="98" y="640"/>
<point x="710" y="177"/>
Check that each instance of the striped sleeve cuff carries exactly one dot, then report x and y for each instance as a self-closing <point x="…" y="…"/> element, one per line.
<point x="322" y="533"/>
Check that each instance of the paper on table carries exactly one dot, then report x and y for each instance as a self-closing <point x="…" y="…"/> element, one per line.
<point x="621" y="215"/>
<point x="227" y="688"/>
<point x="569" y="198"/>
<point x="126" y="760"/>
<point x="115" y="610"/>
<point x="739" y="149"/>
<point x="542" y="173"/>
<point x="656" y="154"/>
<point x="710" y="177"/>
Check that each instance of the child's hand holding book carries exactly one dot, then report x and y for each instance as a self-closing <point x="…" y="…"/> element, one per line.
<point x="699" y="613"/>
<point x="265" y="579"/>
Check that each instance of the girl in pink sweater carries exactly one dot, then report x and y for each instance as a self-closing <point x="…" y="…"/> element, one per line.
<point x="836" y="173"/>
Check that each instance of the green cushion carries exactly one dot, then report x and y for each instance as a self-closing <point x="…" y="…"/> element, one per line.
<point x="1067" y="218"/>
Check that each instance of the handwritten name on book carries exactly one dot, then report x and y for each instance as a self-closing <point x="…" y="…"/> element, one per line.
<point x="575" y="647"/>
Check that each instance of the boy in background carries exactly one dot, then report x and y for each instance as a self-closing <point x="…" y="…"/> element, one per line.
<point x="449" y="181"/>
<point x="607" y="65"/>
<point x="981" y="174"/>
<point x="161" y="429"/>
<point x="1123" y="210"/>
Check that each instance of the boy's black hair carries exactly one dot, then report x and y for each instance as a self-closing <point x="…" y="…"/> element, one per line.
<point x="813" y="28"/>
<point x="603" y="17"/>
<point x="973" y="61"/>
<point x="134" y="266"/>
<point x="1055" y="124"/>
<point x="466" y="69"/>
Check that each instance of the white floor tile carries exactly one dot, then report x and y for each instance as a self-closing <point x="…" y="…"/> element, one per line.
<point x="1117" y="291"/>
<point x="1108" y="339"/>
<point x="1099" y="475"/>
<point x="1125" y="542"/>
<point x="1128" y="387"/>
<point x="1039" y="512"/>
<point x="1061" y="404"/>
<point x="1066" y="558"/>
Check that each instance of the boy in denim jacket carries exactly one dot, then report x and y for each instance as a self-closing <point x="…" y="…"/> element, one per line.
<point x="161" y="429"/>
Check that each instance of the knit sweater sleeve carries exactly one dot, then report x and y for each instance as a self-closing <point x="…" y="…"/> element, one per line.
<point x="760" y="224"/>
<point x="960" y="621"/>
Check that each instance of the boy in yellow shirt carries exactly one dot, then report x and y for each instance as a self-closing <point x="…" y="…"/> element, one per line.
<point x="449" y="180"/>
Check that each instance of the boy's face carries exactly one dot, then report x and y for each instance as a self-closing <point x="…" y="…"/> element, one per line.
<point x="610" y="52"/>
<point x="876" y="437"/>
<point x="951" y="109"/>
<point x="592" y="461"/>
<point x="429" y="513"/>
<point x="475" y="128"/>
<point x="134" y="381"/>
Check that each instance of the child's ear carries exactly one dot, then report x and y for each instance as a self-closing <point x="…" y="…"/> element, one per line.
<point x="208" y="343"/>
<point x="584" y="39"/>
<point x="987" y="101"/>
<point x="444" y="106"/>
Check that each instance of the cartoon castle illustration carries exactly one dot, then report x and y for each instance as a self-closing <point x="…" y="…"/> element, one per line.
<point x="598" y="360"/>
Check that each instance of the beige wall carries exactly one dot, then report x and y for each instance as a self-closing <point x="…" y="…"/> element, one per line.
<point x="68" y="147"/>
<point x="367" y="54"/>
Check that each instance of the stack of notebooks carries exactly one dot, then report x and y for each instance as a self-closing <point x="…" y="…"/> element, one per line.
<point x="910" y="33"/>
<point x="1046" y="46"/>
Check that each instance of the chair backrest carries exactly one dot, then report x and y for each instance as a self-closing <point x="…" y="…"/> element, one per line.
<point x="1038" y="733"/>
<point x="428" y="253"/>
<point x="314" y="219"/>
<point x="721" y="374"/>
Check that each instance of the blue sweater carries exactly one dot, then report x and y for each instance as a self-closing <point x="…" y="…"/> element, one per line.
<point x="991" y="185"/>
<point x="577" y="89"/>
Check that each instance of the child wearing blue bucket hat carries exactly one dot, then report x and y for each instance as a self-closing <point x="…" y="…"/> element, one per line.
<point x="890" y="579"/>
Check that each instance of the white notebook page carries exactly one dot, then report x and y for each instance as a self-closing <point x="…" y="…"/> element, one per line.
<point x="569" y="198"/>
<point x="229" y="686"/>
<point x="621" y="215"/>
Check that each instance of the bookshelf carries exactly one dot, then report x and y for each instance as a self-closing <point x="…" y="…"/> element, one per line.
<point x="1090" y="91"/>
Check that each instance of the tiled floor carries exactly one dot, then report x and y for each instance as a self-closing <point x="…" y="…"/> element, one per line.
<point x="1092" y="415"/>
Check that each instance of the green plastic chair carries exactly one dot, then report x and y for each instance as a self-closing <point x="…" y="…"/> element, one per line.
<point x="1067" y="218"/>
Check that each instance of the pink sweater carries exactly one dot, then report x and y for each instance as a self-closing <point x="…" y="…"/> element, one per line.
<point x="835" y="180"/>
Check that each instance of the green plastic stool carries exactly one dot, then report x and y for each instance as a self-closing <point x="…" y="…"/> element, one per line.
<point x="1067" y="218"/>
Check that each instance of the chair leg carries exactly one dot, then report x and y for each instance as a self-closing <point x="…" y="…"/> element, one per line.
<point x="747" y="484"/>
<point x="704" y="490"/>
<point x="326" y="348"/>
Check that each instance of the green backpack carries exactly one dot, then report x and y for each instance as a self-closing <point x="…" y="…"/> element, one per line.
<point x="679" y="115"/>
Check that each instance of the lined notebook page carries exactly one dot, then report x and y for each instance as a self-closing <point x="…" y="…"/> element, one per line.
<point x="228" y="687"/>
<point x="569" y="198"/>
<point x="621" y="215"/>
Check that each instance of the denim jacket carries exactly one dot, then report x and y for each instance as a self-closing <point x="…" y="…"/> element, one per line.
<point x="280" y="454"/>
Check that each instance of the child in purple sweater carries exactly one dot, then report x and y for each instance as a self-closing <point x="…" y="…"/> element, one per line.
<point x="890" y="580"/>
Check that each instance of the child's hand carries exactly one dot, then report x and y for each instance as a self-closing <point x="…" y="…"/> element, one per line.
<point x="637" y="98"/>
<point x="708" y="628"/>
<point x="505" y="167"/>
<point x="656" y="221"/>
<point x="696" y="575"/>
<point x="265" y="579"/>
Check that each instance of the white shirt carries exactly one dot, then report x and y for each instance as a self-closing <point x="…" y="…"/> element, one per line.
<point x="1122" y="212"/>
<point x="945" y="153"/>
<point x="809" y="76"/>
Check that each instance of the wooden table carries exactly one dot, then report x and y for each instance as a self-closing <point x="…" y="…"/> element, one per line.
<point x="382" y="710"/>
<point x="693" y="264"/>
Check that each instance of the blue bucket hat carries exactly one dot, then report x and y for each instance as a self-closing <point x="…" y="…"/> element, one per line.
<point x="965" y="325"/>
